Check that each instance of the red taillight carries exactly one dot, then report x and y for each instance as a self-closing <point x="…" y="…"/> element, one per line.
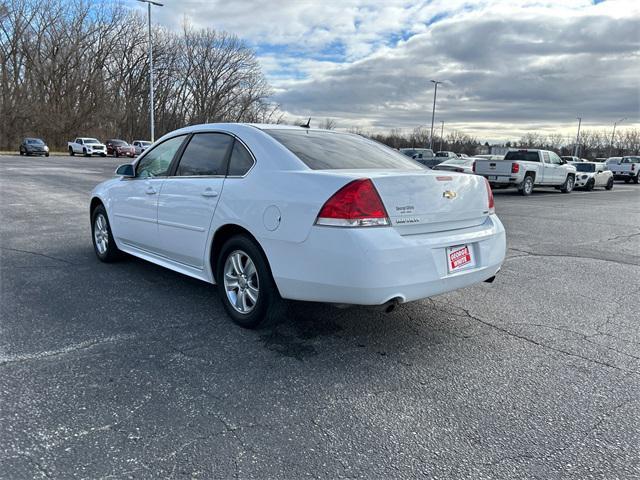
<point x="357" y="204"/>
<point x="515" y="167"/>
<point x="492" y="207"/>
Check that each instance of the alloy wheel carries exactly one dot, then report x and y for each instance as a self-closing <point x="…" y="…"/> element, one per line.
<point x="241" y="282"/>
<point x="101" y="234"/>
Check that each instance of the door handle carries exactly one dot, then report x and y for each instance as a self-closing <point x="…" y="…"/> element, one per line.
<point x="208" y="192"/>
<point x="150" y="190"/>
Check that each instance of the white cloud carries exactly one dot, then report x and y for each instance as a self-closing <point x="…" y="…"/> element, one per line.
<point x="507" y="64"/>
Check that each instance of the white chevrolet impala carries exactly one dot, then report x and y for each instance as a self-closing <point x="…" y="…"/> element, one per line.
<point x="270" y="212"/>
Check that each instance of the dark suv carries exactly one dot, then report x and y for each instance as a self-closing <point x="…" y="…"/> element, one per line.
<point x="34" y="146"/>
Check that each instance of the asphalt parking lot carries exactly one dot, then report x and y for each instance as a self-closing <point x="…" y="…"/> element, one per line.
<point x="130" y="370"/>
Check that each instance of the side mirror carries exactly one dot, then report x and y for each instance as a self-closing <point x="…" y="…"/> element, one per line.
<point x="126" y="171"/>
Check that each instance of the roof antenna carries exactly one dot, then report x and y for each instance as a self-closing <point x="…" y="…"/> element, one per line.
<point x="308" y="124"/>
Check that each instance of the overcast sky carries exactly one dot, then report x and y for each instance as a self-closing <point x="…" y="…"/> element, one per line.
<point x="508" y="67"/>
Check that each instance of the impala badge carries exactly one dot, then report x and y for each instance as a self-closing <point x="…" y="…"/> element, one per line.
<point x="450" y="194"/>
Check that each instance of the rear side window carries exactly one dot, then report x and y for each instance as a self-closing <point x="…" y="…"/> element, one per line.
<point x="241" y="160"/>
<point x="335" y="151"/>
<point x="522" y="155"/>
<point x="206" y="154"/>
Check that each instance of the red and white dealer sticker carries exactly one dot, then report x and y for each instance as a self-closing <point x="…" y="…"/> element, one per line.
<point x="460" y="257"/>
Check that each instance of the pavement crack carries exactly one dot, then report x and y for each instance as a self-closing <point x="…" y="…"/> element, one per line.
<point x="524" y="338"/>
<point x="565" y="255"/>
<point x="69" y="349"/>
<point x="38" y="254"/>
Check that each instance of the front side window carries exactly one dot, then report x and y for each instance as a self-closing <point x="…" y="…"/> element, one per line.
<point x="321" y="150"/>
<point x="240" y="162"/>
<point x="555" y="159"/>
<point x="157" y="161"/>
<point x="206" y="154"/>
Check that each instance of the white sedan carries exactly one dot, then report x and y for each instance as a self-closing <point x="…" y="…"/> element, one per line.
<point x="271" y="212"/>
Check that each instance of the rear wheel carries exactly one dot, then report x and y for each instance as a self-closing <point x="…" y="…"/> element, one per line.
<point x="636" y="179"/>
<point x="609" y="185"/>
<point x="103" y="243"/>
<point x="526" y="187"/>
<point x="245" y="284"/>
<point x="568" y="184"/>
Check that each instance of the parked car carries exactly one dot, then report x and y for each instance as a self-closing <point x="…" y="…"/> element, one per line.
<point x="424" y="156"/>
<point x="120" y="148"/>
<point x="525" y="168"/>
<point x="304" y="214"/>
<point x="445" y="154"/>
<point x="87" y="146"/>
<point x="590" y="175"/>
<point x="34" y="146"/>
<point x="626" y="168"/>
<point x="140" y="146"/>
<point x="462" y="165"/>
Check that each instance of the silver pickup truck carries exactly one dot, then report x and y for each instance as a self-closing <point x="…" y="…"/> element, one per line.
<point x="524" y="169"/>
<point x="626" y="168"/>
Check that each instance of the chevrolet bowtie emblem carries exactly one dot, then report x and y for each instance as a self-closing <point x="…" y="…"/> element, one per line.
<point x="449" y="194"/>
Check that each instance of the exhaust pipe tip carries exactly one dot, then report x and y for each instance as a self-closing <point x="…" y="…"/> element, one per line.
<point x="391" y="305"/>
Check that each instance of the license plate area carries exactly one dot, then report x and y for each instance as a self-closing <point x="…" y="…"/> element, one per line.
<point x="492" y="177"/>
<point x="460" y="257"/>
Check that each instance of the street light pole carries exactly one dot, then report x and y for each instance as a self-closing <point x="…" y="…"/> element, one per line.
<point x="575" y="150"/>
<point x="441" y="133"/>
<point x="614" y="133"/>
<point x="151" y="103"/>
<point x="433" y="113"/>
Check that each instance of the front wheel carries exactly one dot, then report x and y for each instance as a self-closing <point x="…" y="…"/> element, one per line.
<point x="567" y="186"/>
<point x="245" y="285"/>
<point x="609" y="185"/>
<point x="21" y="152"/>
<point x="84" y="151"/>
<point x="46" y="154"/>
<point x="71" y="152"/>
<point x="590" y="184"/>
<point x="636" y="179"/>
<point x="103" y="243"/>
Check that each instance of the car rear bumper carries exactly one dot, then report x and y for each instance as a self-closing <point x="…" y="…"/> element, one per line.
<point x="371" y="266"/>
<point x="624" y="175"/>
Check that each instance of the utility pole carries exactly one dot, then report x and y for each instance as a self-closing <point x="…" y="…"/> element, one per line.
<point x="441" y="133"/>
<point x="577" y="147"/>
<point x="433" y="113"/>
<point x="151" y="103"/>
<point x="614" y="133"/>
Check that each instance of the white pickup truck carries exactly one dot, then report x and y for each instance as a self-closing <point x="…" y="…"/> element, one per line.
<point x="626" y="168"/>
<point x="525" y="169"/>
<point x="87" y="146"/>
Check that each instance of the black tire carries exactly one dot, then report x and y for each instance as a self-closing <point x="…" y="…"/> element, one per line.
<point x="567" y="186"/>
<point x="103" y="154"/>
<point x="46" y="154"/>
<point x="269" y="307"/>
<point x="21" y="152"/>
<point x="636" y="179"/>
<point x="112" y="252"/>
<point x="71" y="152"/>
<point x="84" y="151"/>
<point x="526" y="187"/>
<point x="609" y="185"/>
<point x="590" y="185"/>
<point x="627" y="180"/>
<point x="117" y="154"/>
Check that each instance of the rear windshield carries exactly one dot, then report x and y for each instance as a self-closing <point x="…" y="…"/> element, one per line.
<point x="525" y="156"/>
<point x="585" y="167"/>
<point x="335" y="151"/>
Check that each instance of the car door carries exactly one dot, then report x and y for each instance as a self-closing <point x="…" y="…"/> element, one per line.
<point x="134" y="201"/>
<point x="189" y="197"/>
